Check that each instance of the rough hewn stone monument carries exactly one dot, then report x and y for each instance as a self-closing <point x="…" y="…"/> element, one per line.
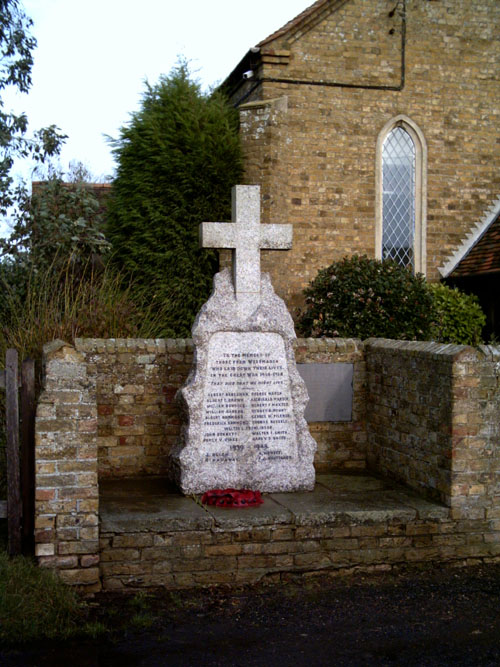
<point x="244" y="400"/>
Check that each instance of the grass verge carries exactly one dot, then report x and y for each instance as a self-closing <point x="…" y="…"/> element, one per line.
<point x="35" y="604"/>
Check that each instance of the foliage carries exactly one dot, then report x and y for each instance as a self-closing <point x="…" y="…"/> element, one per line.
<point x="362" y="297"/>
<point x="177" y="161"/>
<point x="56" y="305"/>
<point x="60" y="220"/>
<point x="16" y="61"/>
<point x="3" y="449"/>
<point x="459" y="317"/>
<point x="34" y="604"/>
<point x="58" y="229"/>
<point x="13" y="278"/>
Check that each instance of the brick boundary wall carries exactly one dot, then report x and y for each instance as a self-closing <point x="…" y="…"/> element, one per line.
<point x="433" y="421"/>
<point x="341" y="445"/>
<point x="138" y="420"/>
<point x="66" y="481"/>
<point x="428" y="419"/>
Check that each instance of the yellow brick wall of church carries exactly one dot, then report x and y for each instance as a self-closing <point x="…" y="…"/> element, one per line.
<point x="313" y="148"/>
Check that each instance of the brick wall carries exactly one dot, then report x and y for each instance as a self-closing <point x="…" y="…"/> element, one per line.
<point x="424" y="402"/>
<point x="324" y="137"/>
<point x="341" y="445"/>
<point x="107" y="410"/>
<point x="432" y="421"/>
<point x="188" y="558"/>
<point x="423" y="413"/>
<point x="476" y="468"/>
<point x="67" y="491"/>
<point x="138" y="420"/>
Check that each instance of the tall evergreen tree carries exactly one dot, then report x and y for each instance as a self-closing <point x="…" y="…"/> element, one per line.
<point x="177" y="160"/>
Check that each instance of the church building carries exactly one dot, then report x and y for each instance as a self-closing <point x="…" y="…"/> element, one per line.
<point x="372" y="127"/>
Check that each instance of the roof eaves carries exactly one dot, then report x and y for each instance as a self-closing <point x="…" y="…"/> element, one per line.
<point x="471" y="240"/>
<point x="302" y="22"/>
<point x="294" y="22"/>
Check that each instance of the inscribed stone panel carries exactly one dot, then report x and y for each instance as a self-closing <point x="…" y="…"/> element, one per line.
<point x="247" y="407"/>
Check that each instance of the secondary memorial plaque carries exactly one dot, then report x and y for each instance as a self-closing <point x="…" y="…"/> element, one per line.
<point x="330" y="391"/>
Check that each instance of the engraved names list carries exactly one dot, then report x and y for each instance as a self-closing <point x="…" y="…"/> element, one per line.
<point x="247" y="408"/>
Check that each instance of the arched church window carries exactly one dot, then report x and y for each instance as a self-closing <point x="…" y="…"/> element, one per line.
<point x="398" y="190"/>
<point x="401" y="194"/>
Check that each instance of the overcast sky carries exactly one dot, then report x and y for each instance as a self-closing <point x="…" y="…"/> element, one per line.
<point x="93" y="57"/>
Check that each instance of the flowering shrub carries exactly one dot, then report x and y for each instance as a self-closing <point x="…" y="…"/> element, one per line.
<point x="362" y="298"/>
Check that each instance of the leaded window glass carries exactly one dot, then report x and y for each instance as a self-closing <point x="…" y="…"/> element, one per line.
<point x="398" y="185"/>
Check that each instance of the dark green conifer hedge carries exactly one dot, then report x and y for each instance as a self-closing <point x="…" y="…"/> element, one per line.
<point x="177" y="160"/>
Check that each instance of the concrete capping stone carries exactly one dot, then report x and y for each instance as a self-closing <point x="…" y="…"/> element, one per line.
<point x="54" y="346"/>
<point x="490" y="352"/>
<point x="278" y="103"/>
<point x="430" y="348"/>
<point x="331" y="345"/>
<point x="58" y="351"/>
<point x="150" y="345"/>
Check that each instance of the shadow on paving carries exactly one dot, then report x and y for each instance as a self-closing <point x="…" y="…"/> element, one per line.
<point x="431" y="616"/>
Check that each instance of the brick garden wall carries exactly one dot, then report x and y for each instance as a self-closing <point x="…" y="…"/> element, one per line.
<point x="341" y="445"/>
<point x="188" y="558"/>
<point x="423" y="413"/>
<point x="411" y="411"/>
<point x="433" y="421"/>
<point x="138" y="420"/>
<point x="66" y="486"/>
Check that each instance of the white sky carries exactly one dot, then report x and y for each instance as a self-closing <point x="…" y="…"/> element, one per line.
<point x="93" y="57"/>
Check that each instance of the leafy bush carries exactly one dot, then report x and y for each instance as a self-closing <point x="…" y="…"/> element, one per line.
<point x="362" y="297"/>
<point x="60" y="222"/>
<point x="3" y="450"/>
<point x="16" y="62"/>
<point x="177" y="161"/>
<point x="458" y="316"/>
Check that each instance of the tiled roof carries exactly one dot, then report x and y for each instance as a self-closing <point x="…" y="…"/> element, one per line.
<point x="479" y="254"/>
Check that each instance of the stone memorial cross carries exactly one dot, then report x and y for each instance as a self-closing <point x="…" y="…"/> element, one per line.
<point x="244" y="400"/>
<point x="245" y="236"/>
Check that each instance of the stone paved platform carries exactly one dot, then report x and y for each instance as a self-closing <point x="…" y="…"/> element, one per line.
<point x="151" y="536"/>
<point x="149" y="504"/>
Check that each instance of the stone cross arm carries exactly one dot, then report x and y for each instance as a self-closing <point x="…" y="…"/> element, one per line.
<point x="225" y="235"/>
<point x="245" y="236"/>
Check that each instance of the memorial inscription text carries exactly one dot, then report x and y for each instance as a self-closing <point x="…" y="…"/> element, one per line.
<point x="247" y="405"/>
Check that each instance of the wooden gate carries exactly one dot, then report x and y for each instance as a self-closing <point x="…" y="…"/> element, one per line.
<point x="20" y="452"/>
